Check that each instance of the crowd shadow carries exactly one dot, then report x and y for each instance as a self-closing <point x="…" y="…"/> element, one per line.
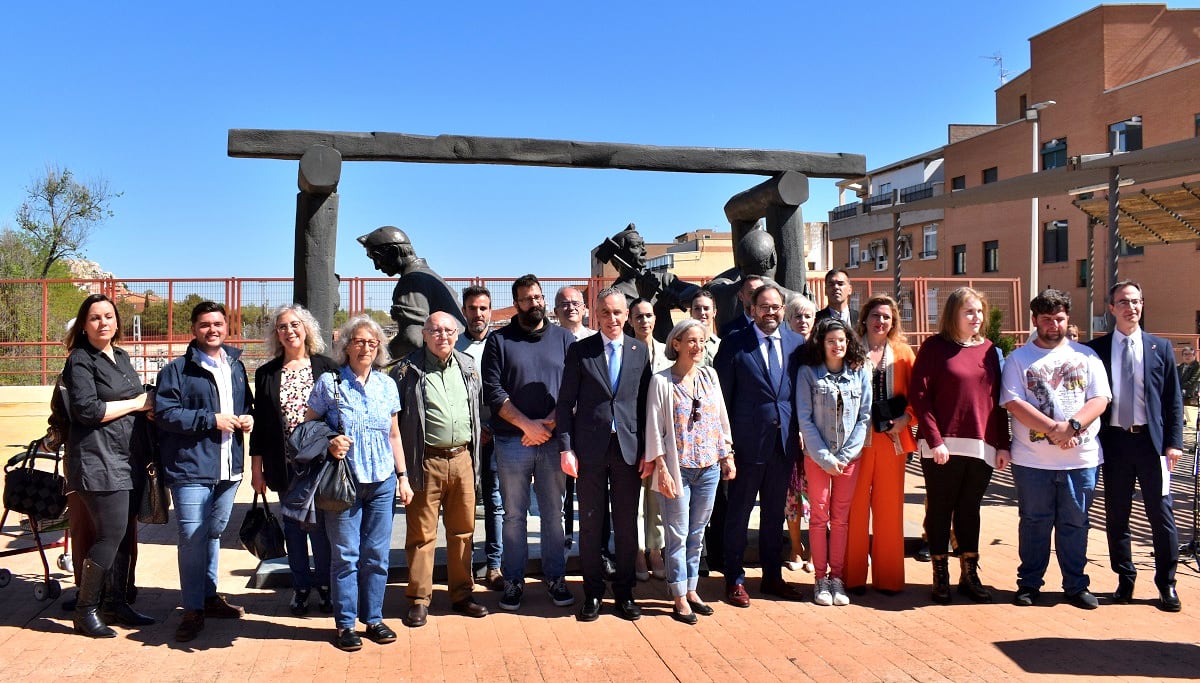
<point x="1093" y="658"/>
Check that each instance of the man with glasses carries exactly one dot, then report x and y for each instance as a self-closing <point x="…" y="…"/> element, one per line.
<point x="837" y="292"/>
<point x="419" y="291"/>
<point x="571" y="310"/>
<point x="439" y="427"/>
<point x="757" y="367"/>
<point x="1189" y="383"/>
<point x="522" y="372"/>
<point x="1142" y="440"/>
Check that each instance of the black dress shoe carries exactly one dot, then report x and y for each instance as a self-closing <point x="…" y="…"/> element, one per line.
<point x="416" y="617"/>
<point x="1124" y="593"/>
<point x="689" y="618"/>
<point x="380" y="633"/>
<point x="628" y="610"/>
<point x="1168" y="600"/>
<point x="590" y="611"/>
<point x="781" y="589"/>
<point x="923" y="554"/>
<point x="470" y="608"/>
<point x="700" y="608"/>
<point x="348" y="641"/>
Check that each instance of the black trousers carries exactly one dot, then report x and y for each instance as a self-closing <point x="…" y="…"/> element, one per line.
<point x="109" y="511"/>
<point x="599" y="483"/>
<point x="954" y="492"/>
<point x="1129" y="459"/>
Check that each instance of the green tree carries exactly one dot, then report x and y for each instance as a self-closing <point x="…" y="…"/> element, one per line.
<point x="1006" y="342"/>
<point x="59" y="214"/>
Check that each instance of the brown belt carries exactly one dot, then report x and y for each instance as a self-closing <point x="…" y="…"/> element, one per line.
<point x="1135" y="429"/>
<point x="435" y="452"/>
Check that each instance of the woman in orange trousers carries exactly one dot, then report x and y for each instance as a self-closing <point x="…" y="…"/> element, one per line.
<point x="877" y="511"/>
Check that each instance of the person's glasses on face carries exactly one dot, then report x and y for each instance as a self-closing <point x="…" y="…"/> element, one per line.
<point x="532" y="299"/>
<point x="769" y="308"/>
<point x="568" y="304"/>
<point x="371" y="344"/>
<point x="282" y="328"/>
<point x="1129" y="303"/>
<point x="442" y="332"/>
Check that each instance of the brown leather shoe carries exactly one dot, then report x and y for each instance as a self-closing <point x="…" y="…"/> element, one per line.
<point x="737" y="596"/>
<point x="494" y="580"/>
<point x="781" y="589"/>
<point x="218" y="607"/>
<point x="416" y="617"/>
<point x="470" y="608"/>
<point x="192" y="624"/>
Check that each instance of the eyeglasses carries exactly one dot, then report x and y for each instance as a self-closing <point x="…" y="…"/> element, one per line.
<point x="533" y="299"/>
<point x="441" y="332"/>
<point x="294" y="325"/>
<point x="769" y="308"/>
<point x="364" y="343"/>
<point x="570" y="304"/>
<point x="1129" y="303"/>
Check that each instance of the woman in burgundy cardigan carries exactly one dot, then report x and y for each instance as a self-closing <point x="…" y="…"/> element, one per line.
<point x="962" y="435"/>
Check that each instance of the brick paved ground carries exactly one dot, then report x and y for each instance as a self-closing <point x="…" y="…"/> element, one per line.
<point x="879" y="637"/>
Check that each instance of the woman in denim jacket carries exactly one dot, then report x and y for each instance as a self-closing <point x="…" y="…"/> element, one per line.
<point x="833" y="407"/>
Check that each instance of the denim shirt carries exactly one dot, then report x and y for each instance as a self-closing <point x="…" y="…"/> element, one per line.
<point x="831" y="435"/>
<point x="366" y="411"/>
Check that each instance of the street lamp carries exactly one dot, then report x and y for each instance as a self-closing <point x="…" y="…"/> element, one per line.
<point x="1032" y="115"/>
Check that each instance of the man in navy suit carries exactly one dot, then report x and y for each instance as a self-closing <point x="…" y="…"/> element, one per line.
<point x="743" y="318"/>
<point x="757" y="367"/>
<point x="600" y="413"/>
<point x="1142" y="439"/>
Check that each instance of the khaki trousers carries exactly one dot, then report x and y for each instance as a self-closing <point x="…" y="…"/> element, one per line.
<point x="450" y="490"/>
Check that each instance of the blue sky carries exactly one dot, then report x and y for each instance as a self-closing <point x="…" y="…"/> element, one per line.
<point x="143" y="94"/>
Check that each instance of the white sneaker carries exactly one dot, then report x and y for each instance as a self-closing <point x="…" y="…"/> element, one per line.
<point x="839" y="593"/>
<point x="821" y="594"/>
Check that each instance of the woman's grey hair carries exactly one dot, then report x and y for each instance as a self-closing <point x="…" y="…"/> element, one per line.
<point x="313" y="343"/>
<point x="797" y="303"/>
<point x="678" y="331"/>
<point x="346" y="333"/>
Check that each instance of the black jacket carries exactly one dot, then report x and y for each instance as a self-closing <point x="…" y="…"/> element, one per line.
<point x="268" y="436"/>
<point x="100" y="453"/>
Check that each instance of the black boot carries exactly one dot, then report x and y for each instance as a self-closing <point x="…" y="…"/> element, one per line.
<point x="86" y="620"/>
<point x="968" y="581"/>
<point x="116" y="605"/>
<point x="941" y="578"/>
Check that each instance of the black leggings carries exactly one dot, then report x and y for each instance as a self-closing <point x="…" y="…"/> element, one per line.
<point x="109" y="511"/>
<point x="954" y="492"/>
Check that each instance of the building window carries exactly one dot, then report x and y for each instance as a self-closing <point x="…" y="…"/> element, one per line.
<point x="878" y="252"/>
<point x="991" y="256"/>
<point x="1126" y="249"/>
<point x="1054" y="242"/>
<point x="960" y="259"/>
<point x="1081" y="273"/>
<point x="853" y="262"/>
<point x="904" y="247"/>
<point x="958" y="182"/>
<point x="929" y="241"/>
<point x="1125" y="136"/>
<point x="990" y="175"/>
<point x="1054" y="153"/>
<point x="884" y="188"/>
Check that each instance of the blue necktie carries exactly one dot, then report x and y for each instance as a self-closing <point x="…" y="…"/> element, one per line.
<point x="773" y="369"/>
<point x="614" y="364"/>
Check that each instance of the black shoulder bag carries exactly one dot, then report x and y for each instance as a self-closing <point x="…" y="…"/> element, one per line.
<point x="336" y="491"/>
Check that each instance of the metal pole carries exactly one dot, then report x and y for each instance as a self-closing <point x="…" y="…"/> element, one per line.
<point x="1091" y="278"/>
<point x="1033" y="216"/>
<point x="896" y="247"/>
<point x="1114" y="247"/>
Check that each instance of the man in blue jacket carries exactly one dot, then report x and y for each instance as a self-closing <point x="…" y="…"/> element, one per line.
<point x="202" y="409"/>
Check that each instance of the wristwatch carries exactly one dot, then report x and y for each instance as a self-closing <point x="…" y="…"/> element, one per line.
<point x="1074" y="424"/>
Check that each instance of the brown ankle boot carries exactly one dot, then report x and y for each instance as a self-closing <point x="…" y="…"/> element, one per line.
<point x="968" y="581"/>
<point x="941" y="579"/>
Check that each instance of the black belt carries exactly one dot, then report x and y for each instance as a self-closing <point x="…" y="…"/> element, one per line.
<point x="1135" y="429"/>
<point x="434" y="451"/>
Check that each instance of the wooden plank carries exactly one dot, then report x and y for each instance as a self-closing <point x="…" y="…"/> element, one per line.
<point x="468" y="149"/>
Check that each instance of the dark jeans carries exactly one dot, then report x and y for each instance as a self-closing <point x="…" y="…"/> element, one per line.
<point x="954" y="492"/>
<point x="599" y="482"/>
<point x="493" y="507"/>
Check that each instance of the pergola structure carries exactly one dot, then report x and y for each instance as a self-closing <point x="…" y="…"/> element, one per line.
<point x="321" y="153"/>
<point x="1159" y="216"/>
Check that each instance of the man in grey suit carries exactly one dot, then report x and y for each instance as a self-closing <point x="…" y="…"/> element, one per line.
<point x="601" y="407"/>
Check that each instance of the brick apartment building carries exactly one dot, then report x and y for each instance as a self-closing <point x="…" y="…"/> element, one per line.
<point x="1123" y="78"/>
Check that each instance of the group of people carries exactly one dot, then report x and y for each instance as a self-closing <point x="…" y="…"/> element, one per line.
<point x="668" y="447"/>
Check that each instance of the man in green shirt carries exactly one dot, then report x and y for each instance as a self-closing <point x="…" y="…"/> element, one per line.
<point x="439" y="427"/>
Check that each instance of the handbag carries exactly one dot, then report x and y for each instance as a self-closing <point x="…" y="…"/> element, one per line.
<point x="261" y="533"/>
<point x="884" y="411"/>
<point x="335" y="487"/>
<point x="36" y="493"/>
<point x="156" y="501"/>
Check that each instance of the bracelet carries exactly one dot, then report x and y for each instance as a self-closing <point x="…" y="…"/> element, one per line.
<point x="401" y="474"/>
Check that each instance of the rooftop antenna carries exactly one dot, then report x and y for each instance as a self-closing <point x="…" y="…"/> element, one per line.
<point x="998" y="62"/>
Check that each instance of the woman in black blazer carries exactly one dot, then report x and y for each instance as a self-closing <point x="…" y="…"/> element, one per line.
<point x="281" y="389"/>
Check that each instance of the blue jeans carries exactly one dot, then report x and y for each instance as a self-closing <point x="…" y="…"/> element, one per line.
<point x="516" y="465"/>
<point x="360" y="539"/>
<point x="1058" y="501"/>
<point x="684" y="519"/>
<point x="493" y="507"/>
<point x="202" y="512"/>
<point x="297" y="538"/>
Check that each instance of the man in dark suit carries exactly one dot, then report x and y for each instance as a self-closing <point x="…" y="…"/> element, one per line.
<point x="757" y="367"/>
<point x="837" y="293"/>
<point x="600" y="412"/>
<point x="1142" y="439"/>
<point x="743" y="318"/>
